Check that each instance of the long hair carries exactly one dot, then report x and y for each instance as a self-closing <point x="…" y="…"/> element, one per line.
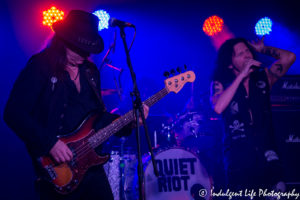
<point x="57" y="55"/>
<point x="222" y="73"/>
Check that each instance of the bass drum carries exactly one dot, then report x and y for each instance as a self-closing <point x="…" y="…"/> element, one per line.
<point x="181" y="177"/>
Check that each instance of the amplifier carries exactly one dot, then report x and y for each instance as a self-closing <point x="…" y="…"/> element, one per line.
<point x="286" y="125"/>
<point x="286" y="91"/>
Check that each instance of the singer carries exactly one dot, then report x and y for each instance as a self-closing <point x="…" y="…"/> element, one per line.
<point x="53" y="94"/>
<point x="240" y="91"/>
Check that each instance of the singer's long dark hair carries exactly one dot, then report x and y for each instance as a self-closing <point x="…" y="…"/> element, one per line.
<point x="222" y="73"/>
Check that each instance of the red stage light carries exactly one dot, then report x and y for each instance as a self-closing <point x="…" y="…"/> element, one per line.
<point x="51" y="16"/>
<point x="213" y="25"/>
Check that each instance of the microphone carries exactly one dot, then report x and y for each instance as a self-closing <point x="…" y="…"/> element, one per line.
<point x="113" y="22"/>
<point x="262" y="65"/>
<point x="255" y="67"/>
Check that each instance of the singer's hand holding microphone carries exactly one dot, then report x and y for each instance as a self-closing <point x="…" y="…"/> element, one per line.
<point x="249" y="66"/>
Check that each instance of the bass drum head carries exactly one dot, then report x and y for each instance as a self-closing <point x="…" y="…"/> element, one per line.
<point x="181" y="177"/>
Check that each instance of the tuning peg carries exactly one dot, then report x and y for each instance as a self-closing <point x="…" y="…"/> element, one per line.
<point x="166" y="74"/>
<point x="178" y="69"/>
<point x="172" y="72"/>
<point x="185" y="67"/>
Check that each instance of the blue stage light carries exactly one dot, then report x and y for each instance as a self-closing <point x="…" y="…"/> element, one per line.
<point x="103" y="19"/>
<point x="263" y="26"/>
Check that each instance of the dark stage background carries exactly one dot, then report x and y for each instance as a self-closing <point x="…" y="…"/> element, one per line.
<point x="169" y="34"/>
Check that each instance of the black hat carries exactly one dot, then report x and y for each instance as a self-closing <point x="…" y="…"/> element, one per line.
<point x="80" y="29"/>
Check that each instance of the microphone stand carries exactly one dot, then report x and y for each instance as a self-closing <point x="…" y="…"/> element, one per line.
<point x="138" y="110"/>
<point x="111" y="47"/>
<point x="105" y="59"/>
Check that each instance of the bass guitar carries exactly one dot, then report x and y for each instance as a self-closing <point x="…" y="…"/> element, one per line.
<point x="66" y="176"/>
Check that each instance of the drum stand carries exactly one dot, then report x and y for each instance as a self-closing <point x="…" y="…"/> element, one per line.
<point x="138" y="110"/>
<point x="121" y="167"/>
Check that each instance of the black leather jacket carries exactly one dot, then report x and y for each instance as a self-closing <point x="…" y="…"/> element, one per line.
<point x="37" y="102"/>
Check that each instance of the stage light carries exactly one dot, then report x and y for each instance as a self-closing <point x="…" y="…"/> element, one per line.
<point x="51" y="16"/>
<point x="213" y="25"/>
<point x="263" y="26"/>
<point x="103" y="19"/>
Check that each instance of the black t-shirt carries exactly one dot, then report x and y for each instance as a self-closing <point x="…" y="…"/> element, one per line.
<point x="248" y="123"/>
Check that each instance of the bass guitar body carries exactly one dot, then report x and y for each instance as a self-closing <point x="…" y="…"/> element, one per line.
<point x="67" y="176"/>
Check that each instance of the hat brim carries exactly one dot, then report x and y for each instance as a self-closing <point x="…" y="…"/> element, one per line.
<point x="77" y="38"/>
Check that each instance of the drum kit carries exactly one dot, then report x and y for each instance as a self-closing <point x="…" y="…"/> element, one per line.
<point x="178" y="146"/>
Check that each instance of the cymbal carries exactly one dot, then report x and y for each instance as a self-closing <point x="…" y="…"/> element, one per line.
<point x="105" y="92"/>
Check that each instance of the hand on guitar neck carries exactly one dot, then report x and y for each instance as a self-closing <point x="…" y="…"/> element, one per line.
<point x="146" y="112"/>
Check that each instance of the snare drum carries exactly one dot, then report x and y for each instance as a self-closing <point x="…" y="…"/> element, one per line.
<point x="181" y="176"/>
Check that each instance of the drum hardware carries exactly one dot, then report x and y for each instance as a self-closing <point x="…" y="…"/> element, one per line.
<point x="122" y="161"/>
<point x="194" y="131"/>
<point x="165" y="136"/>
<point x="121" y="166"/>
<point x="167" y="131"/>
